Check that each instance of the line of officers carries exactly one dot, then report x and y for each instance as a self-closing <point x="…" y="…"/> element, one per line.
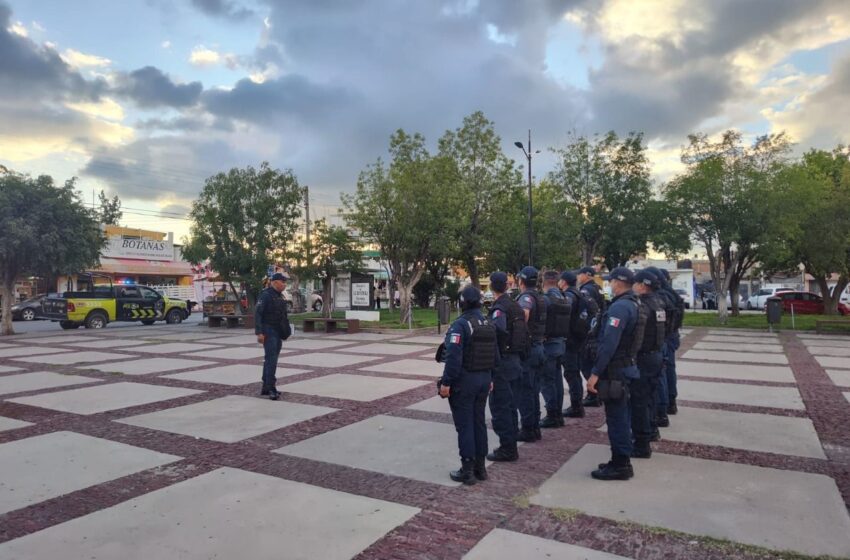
<point x="625" y="351"/>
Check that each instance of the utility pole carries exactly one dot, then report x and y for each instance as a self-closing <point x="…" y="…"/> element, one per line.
<point x="528" y="155"/>
<point x="307" y="214"/>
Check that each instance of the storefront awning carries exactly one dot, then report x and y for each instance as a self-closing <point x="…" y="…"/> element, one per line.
<point x="152" y="268"/>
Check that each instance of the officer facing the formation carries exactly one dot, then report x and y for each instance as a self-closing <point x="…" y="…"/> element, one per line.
<point x="666" y="394"/>
<point x="471" y="353"/>
<point x="558" y="312"/>
<point x="271" y="325"/>
<point x="590" y="288"/>
<point x="534" y="309"/>
<point x="643" y="390"/>
<point x="580" y="319"/>
<point x="512" y="334"/>
<point x="620" y="337"/>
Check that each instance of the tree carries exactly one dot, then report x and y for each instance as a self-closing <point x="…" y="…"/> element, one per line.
<point x="483" y="172"/>
<point x="607" y="181"/>
<point x="332" y="251"/>
<point x="240" y="219"/>
<point x="726" y="199"/>
<point x="44" y="230"/>
<point x="110" y="209"/>
<point x="406" y="208"/>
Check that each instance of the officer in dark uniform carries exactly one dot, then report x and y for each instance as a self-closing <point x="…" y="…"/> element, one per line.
<point x="587" y="357"/>
<point x="534" y="309"/>
<point x="557" y="328"/>
<point x="649" y="361"/>
<point x="271" y="325"/>
<point x="615" y="367"/>
<point x="668" y="298"/>
<point x="673" y="346"/>
<point x="509" y="320"/>
<point x="572" y="348"/>
<point x="471" y="353"/>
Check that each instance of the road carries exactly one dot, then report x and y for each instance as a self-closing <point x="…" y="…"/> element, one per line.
<point x="24" y="327"/>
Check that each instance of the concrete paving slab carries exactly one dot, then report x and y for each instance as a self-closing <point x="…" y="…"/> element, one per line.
<point x="365" y="337"/>
<point x="372" y="445"/>
<point x="839" y="377"/>
<point x="235" y="340"/>
<point x="847" y="396"/>
<point x="15" y="351"/>
<point x="102" y="398"/>
<point x="740" y="430"/>
<point x="749" y="357"/>
<point x="737" y="333"/>
<point x="37" y="380"/>
<point x="728" y="339"/>
<point x="122" y="343"/>
<point x="227" y="513"/>
<point x="829" y="351"/>
<point x="774" y="508"/>
<point x="738" y="347"/>
<point x="315" y="344"/>
<point x="352" y="387"/>
<point x="752" y="395"/>
<point x="779" y="374"/>
<point x="43" y="467"/>
<point x="228" y="419"/>
<point x="69" y="358"/>
<point x="178" y="336"/>
<point x="833" y="362"/>
<point x="435" y="340"/>
<point x="233" y="353"/>
<point x="12" y="424"/>
<point x="62" y="339"/>
<point x="836" y="337"/>
<point x="150" y="365"/>
<point x="8" y="369"/>
<point x="234" y="375"/>
<point x="387" y="349"/>
<point x="409" y="367"/>
<point x="325" y="359"/>
<point x="172" y="347"/>
<point x="500" y="544"/>
<point x="809" y="342"/>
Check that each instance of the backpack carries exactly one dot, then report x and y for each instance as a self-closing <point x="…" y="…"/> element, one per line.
<point x="583" y="317"/>
<point x="480" y="353"/>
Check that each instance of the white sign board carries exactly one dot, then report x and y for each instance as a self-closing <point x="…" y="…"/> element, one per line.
<point x="146" y="249"/>
<point x="360" y="295"/>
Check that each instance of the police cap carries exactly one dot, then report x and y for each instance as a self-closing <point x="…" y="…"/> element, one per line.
<point x="499" y="281"/>
<point x="470" y="295"/>
<point x="622" y="274"/>
<point x="279" y="276"/>
<point x="587" y="270"/>
<point x="528" y="275"/>
<point x="569" y="277"/>
<point x="647" y="278"/>
<point x="654" y="270"/>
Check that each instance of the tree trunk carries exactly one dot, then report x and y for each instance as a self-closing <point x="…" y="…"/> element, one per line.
<point x="298" y="303"/>
<point x="473" y="271"/>
<point x="6" y="290"/>
<point x="733" y="297"/>
<point x="830" y="300"/>
<point x="405" y="290"/>
<point x="327" y="284"/>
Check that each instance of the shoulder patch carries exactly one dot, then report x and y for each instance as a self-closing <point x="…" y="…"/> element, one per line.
<point x="454" y="338"/>
<point x="497" y="314"/>
<point x="614" y="322"/>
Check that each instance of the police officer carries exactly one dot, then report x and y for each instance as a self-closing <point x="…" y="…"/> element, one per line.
<point x="615" y="367"/>
<point x="675" y="342"/>
<point x="271" y="325"/>
<point x="534" y="310"/>
<point x="558" y="312"/>
<point x="508" y="319"/>
<point x="587" y="285"/>
<point x="668" y="298"/>
<point x="573" y="346"/>
<point x="471" y="353"/>
<point x="643" y="390"/>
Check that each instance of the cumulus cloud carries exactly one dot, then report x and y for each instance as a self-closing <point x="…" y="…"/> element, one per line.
<point x="226" y="9"/>
<point x="78" y="59"/>
<point x="151" y="87"/>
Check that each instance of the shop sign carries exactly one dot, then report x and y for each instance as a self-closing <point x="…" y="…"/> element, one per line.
<point x="146" y="249"/>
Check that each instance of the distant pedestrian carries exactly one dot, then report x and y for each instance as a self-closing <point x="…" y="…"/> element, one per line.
<point x="378" y="298"/>
<point x="271" y="325"/>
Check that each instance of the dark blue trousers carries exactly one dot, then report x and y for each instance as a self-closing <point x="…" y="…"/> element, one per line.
<point x="504" y="397"/>
<point x="570" y="361"/>
<point x="618" y="417"/>
<point x="670" y="369"/>
<point x="551" y="383"/>
<point x="529" y="395"/>
<point x="468" y="399"/>
<point x="271" y="346"/>
<point x="642" y="398"/>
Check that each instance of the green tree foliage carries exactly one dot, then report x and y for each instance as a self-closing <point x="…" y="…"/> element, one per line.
<point x="727" y="200"/>
<point x="44" y="230"/>
<point x="607" y="181"/>
<point x="407" y="208"/>
<point x="110" y="209"/>
<point x="483" y="174"/>
<point x="240" y="219"/>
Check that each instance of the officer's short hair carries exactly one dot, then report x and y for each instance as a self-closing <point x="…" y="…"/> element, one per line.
<point x="550" y="276"/>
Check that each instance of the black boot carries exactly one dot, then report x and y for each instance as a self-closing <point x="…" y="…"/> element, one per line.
<point x="464" y="474"/>
<point x="527" y="435"/>
<point x="504" y="453"/>
<point x="273" y="394"/>
<point x="642" y="450"/>
<point x="552" y="420"/>
<point x="620" y="468"/>
<point x="538" y="435"/>
<point x="479" y="468"/>
<point x="264" y="392"/>
<point x="591" y="400"/>
<point x="656" y="435"/>
<point x="672" y="408"/>
<point x="662" y="421"/>
<point x="576" y="410"/>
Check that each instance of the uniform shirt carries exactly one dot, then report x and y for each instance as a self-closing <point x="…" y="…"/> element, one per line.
<point x="528" y="302"/>
<point x="457" y="338"/>
<point x="269" y="305"/>
<point x="498" y="316"/>
<point x="621" y="317"/>
<point x="591" y="288"/>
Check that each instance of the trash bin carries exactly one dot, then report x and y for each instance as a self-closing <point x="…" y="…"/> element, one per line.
<point x="774" y="311"/>
<point x="444" y="306"/>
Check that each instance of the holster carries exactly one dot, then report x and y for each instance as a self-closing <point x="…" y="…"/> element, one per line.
<point x="611" y="388"/>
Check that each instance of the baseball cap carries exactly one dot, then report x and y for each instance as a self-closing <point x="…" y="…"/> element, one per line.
<point x="499" y="281"/>
<point x="569" y="277"/>
<point x="280" y="276"/>
<point x="470" y="294"/>
<point x="647" y="278"/>
<point x="587" y="270"/>
<point x="528" y="273"/>
<point x="622" y="274"/>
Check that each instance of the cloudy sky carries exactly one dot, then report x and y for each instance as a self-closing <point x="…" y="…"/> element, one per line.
<point x="146" y="98"/>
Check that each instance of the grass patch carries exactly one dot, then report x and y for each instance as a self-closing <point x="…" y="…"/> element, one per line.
<point x="565" y="515"/>
<point x="759" y="321"/>
<point x="389" y="318"/>
<point x="523" y="501"/>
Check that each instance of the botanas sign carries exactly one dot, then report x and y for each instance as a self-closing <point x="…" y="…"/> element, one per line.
<point x="147" y="249"/>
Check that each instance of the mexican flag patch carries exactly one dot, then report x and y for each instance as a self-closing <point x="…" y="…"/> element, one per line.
<point x="614" y="322"/>
<point x="454" y="339"/>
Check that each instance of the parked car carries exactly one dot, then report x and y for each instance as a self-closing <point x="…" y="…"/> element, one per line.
<point x="759" y="299"/>
<point x="711" y="301"/>
<point x="806" y="303"/>
<point x="28" y="310"/>
<point x="685" y="295"/>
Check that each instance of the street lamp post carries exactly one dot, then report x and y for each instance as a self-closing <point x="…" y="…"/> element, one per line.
<point x="528" y="154"/>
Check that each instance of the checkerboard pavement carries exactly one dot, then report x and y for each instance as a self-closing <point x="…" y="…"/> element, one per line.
<point x="179" y="437"/>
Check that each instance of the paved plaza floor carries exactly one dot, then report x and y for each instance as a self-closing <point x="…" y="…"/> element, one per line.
<point x="153" y="442"/>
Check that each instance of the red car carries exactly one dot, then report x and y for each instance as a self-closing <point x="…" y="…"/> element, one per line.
<point x="806" y="303"/>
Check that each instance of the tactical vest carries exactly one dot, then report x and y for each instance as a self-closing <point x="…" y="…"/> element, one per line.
<point x="656" y="324"/>
<point x="274" y="314"/>
<point x="479" y="354"/>
<point x="631" y="340"/>
<point x="558" y="315"/>
<point x="582" y="318"/>
<point x="515" y="340"/>
<point x="669" y="305"/>
<point x="537" y="317"/>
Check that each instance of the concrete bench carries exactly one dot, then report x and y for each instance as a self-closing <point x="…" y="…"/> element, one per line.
<point x="332" y="325"/>
<point x="232" y="321"/>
